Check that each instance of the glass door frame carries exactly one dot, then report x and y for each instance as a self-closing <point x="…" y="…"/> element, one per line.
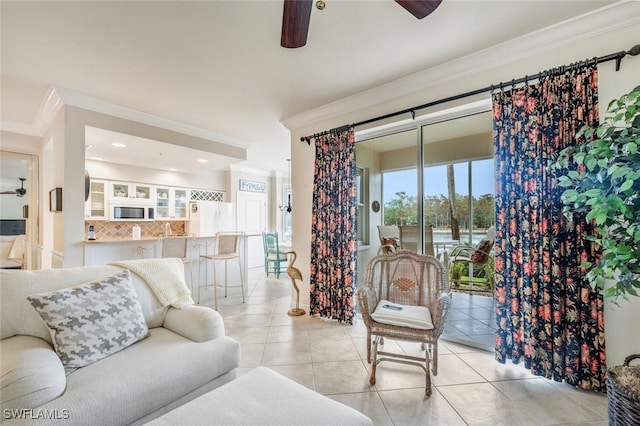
<point x="471" y="108"/>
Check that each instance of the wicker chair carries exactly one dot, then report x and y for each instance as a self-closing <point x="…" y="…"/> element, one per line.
<point x="412" y="281"/>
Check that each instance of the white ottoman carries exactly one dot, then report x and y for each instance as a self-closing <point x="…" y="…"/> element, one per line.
<point x="263" y="397"/>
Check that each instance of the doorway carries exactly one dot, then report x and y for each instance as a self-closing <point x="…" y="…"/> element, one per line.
<point x="252" y="219"/>
<point x="19" y="211"/>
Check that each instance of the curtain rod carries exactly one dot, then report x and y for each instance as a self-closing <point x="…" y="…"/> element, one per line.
<point x="634" y="51"/>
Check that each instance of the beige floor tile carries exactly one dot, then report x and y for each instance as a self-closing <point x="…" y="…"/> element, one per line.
<point x="411" y="407"/>
<point x="341" y="377"/>
<point x="300" y="373"/>
<point x="485" y="364"/>
<point x="252" y="320"/>
<point x="483" y="404"/>
<point x="453" y="371"/>
<point x="538" y="399"/>
<point x="361" y="346"/>
<point x="457" y="348"/>
<point x="287" y="333"/>
<point x="251" y="355"/>
<point x="327" y="332"/>
<point x="327" y="350"/>
<point x="247" y="335"/>
<point x="368" y="403"/>
<point x="281" y="318"/>
<point x="470" y="387"/>
<point x="394" y="375"/>
<point x="286" y="353"/>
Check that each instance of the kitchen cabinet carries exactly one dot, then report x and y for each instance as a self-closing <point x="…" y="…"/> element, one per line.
<point x="97" y="205"/>
<point x="126" y="192"/>
<point x="172" y="203"/>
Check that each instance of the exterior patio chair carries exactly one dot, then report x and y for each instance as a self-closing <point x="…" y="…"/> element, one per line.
<point x="405" y="297"/>
<point x="409" y="238"/>
<point x="389" y="238"/>
<point x="471" y="268"/>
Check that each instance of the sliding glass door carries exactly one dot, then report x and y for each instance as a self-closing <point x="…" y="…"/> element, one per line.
<point x="435" y="186"/>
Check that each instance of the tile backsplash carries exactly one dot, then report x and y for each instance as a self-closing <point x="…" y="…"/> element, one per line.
<point x="124" y="230"/>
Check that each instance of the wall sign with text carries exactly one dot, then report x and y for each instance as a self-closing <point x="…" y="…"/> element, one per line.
<point x="252" y="186"/>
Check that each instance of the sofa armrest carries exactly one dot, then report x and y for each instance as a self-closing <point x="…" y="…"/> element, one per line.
<point x="197" y="323"/>
<point x="31" y="374"/>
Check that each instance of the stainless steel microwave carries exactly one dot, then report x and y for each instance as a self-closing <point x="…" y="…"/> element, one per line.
<point x="132" y="213"/>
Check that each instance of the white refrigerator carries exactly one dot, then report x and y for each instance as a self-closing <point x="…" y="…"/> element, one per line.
<point x="206" y="218"/>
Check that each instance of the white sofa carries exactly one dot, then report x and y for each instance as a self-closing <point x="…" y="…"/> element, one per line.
<point x="184" y="355"/>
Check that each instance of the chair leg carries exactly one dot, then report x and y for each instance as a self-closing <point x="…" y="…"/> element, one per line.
<point x="434" y="359"/>
<point x="427" y="389"/>
<point x="369" y="343"/>
<point x="215" y="286"/>
<point x="225" y="278"/>
<point x="241" y="279"/>
<point x="374" y="362"/>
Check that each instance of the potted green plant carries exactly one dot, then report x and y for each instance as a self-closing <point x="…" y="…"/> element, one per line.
<point x="603" y="181"/>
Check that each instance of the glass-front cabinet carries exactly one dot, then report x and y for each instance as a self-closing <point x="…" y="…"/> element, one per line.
<point x="172" y="203"/>
<point x="127" y="191"/>
<point x="97" y="205"/>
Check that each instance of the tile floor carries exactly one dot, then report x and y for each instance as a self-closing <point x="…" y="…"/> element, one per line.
<point x="471" y="321"/>
<point x="470" y="388"/>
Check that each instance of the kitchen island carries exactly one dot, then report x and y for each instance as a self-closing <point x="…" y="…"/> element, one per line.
<point x="101" y="251"/>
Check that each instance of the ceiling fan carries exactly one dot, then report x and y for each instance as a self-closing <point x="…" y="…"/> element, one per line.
<point x="19" y="192"/>
<point x="297" y="13"/>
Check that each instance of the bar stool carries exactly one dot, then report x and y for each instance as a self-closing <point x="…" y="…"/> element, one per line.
<point x="228" y="249"/>
<point x="178" y="247"/>
<point x="172" y="247"/>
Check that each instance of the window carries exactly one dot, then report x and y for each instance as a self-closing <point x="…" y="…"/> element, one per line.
<point x="362" y="212"/>
<point x="286" y="216"/>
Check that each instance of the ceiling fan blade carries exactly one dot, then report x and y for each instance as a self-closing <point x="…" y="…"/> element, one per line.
<point x="8" y="193"/>
<point x="419" y="8"/>
<point x="295" y="23"/>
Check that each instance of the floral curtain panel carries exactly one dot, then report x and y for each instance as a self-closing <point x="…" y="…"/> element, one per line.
<point x="547" y="314"/>
<point x="333" y="227"/>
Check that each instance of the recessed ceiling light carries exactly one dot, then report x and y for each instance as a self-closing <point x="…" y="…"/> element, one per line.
<point x="173" y="170"/>
<point x="95" y="158"/>
<point x="202" y="160"/>
<point x="118" y="145"/>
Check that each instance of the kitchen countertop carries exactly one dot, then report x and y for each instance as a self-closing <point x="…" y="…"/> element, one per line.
<point x="141" y="240"/>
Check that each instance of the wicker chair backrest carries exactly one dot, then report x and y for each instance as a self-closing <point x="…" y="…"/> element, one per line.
<point x="407" y="278"/>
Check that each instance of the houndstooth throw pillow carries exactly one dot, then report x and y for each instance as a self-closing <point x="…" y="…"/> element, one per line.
<point x="93" y="320"/>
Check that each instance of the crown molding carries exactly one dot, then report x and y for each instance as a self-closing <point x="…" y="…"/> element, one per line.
<point x="601" y="21"/>
<point x="97" y="105"/>
<point x="240" y="168"/>
<point x="57" y="97"/>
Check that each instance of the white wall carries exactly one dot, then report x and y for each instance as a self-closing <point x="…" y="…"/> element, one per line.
<point x="526" y="56"/>
<point x="10" y="205"/>
<point x="621" y="330"/>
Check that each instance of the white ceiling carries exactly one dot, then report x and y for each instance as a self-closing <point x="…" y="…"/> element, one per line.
<point x="218" y="65"/>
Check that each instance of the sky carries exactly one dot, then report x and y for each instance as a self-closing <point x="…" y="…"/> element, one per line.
<point x="436" y="180"/>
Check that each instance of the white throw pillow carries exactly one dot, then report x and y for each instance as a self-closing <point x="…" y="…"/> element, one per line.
<point x="93" y="320"/>
<point x="411" y="316"/>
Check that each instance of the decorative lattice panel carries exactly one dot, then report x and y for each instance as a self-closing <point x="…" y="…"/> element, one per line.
<point x="205" y="195"/>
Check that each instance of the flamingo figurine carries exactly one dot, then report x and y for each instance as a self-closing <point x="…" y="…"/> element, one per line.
<point x="295" y="274"/>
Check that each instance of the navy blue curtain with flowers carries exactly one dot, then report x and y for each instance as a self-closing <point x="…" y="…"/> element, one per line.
<point x="547" y="314"/>
<point x="333" y="227"/>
